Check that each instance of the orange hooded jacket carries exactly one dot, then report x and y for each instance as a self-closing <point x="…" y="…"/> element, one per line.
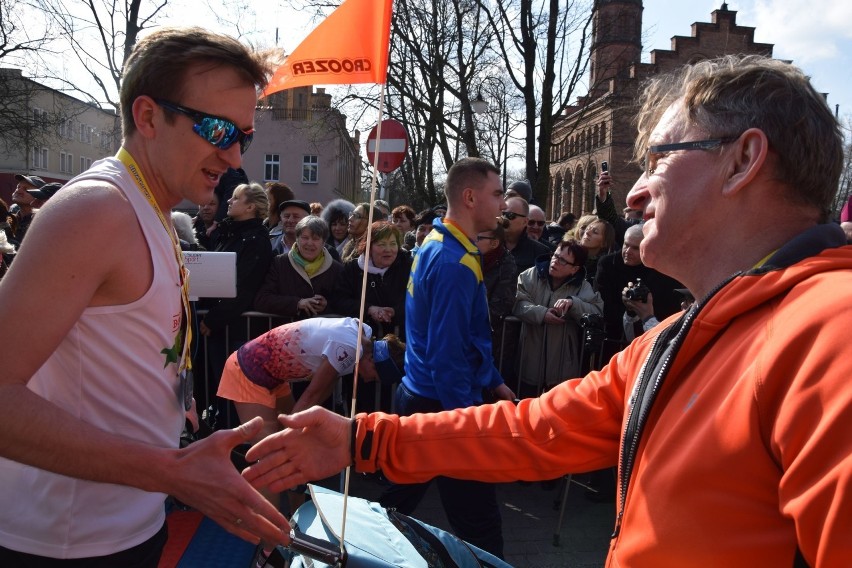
<point x="745" y="455"/>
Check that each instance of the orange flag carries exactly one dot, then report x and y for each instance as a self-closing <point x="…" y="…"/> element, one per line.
<point x="349" y="46"/>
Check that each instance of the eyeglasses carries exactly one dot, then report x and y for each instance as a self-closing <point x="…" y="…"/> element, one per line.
<point x="511" y="215"/>
<point x="485" y="238"/>
<point x="562" y="262"/>
<point x="535" y="223"/>
<point x="219" y="131"/>
<point x="356" y="216"/>
<point x="654" y="153"/>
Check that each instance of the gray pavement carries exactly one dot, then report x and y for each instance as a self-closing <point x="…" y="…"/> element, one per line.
<point x="530" y="518"/>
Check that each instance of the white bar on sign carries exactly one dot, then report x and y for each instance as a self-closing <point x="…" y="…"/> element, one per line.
<point x="391" y="145"/>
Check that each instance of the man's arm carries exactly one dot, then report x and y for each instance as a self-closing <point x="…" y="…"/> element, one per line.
<point x="576" y="426"/>
<point x="87" y="249"/>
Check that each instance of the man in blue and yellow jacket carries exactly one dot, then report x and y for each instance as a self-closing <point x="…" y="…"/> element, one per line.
<point x="448" y="358"/>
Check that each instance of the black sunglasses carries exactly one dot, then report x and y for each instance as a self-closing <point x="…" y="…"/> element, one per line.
<point x="511" y="215"/>
<point x="219" y="131"/>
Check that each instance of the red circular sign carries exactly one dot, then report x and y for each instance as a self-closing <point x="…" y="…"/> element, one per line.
<point x="392" y="146"/>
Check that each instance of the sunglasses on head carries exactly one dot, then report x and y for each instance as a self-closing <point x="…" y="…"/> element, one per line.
<point x="511" y="216"/>
<point x="219" y="131"/>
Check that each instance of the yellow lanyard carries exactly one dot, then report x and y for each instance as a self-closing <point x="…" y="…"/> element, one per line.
<point x="129" y="162"/>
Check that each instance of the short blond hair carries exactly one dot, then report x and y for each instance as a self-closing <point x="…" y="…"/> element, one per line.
<point x="255" y="195"/>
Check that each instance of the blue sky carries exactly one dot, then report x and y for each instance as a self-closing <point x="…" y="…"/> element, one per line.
<point x="815" y="34"/>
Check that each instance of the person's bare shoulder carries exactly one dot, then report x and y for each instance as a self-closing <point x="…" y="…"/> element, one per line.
<point x="85" y="248"/>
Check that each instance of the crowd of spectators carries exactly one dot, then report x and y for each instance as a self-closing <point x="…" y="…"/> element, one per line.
<point x="542" y="277"/>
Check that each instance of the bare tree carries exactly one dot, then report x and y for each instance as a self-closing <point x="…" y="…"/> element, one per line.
<point x="437" y="48"/>
<point x="115" y="26"/>
<point x="543" y="47"/>
<point x="21" y="34"/>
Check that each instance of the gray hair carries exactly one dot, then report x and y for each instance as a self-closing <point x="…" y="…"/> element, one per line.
<point x="536" y="208"/>
<point x="313" y="224"/>
<point x="183" y="227"/>
<point x="729" y="95"/>
<point x="634" y="229"/>
<point x="525" y="206"/>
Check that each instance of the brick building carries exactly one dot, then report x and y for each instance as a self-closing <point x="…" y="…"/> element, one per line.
<point x="598" y="128"/>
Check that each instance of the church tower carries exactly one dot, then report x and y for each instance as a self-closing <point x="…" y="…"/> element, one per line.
<point x="616" y="42"/>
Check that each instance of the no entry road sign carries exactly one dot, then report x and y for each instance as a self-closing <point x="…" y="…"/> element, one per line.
<point x="391" y="147"/>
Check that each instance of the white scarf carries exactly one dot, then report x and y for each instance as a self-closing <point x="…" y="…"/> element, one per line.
<point x="372" y="269"/>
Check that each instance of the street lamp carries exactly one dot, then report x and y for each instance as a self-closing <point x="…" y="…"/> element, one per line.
<point x="481" y="106"/>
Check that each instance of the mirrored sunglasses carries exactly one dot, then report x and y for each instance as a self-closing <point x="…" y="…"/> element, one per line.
<point x="219" y="131"/>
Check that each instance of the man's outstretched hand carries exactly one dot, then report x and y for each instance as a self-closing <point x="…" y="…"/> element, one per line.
<point x="205" y="479"/>
<point x="313" y="445"/>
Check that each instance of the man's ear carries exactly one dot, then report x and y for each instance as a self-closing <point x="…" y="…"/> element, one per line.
<point x="468" y="197"/>
<point x="144" y="108"/>
<point x="748" y="158"/>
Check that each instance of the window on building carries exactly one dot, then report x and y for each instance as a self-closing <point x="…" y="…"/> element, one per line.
<point x="85" y="164"/>
<point x="66" y="163"/>
<point x="272" y="167"/>
<point x="40" y="117"/>
<point x="86" y="132"/>
<point x="40" y="158"/>
<point x="64" y="128"/>
<point x="310" y="167"/>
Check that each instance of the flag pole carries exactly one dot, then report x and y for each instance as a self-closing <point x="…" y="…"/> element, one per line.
<point x="358" y="350"/>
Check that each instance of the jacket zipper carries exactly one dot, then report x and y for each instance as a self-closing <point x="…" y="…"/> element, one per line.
<point x="631" y="445"/>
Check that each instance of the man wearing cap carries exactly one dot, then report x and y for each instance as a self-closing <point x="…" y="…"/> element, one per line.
<point x="92" y="412"/>
<point x="45" y="192"/>
<point x="520" y="189"/>
<point x="291" y="212"/>
<point x="26" y="203"/>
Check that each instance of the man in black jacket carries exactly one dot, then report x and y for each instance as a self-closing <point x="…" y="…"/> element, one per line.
<point x="524" y="249"/>
<point x="615" y="272"/>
